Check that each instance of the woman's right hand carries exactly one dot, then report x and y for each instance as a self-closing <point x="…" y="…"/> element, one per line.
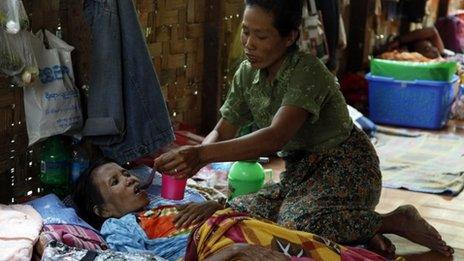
<point x="247" y="252"/>
<point x="183" y="162"/>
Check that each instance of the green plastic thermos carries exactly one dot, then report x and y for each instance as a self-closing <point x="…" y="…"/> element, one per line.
<point x="245" y="177"/>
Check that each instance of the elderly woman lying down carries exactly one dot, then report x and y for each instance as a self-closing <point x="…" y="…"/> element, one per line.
<point x="108" y="194"/>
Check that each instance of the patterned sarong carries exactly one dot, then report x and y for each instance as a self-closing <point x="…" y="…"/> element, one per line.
<point x="226" y="227"/>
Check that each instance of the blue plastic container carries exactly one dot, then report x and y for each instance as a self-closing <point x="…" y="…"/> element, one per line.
<point x="418" y="104"/>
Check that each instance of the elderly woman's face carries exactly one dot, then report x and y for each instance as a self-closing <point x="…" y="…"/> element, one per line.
<point x="261" y="41"/>
<point x="120" y="191"/>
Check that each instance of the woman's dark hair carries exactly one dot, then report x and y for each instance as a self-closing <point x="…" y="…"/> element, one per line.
<point x="87" y="195"/>
<point x="287" y="15"/>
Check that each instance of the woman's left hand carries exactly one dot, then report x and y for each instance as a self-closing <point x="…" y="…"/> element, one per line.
<point x="183" y="162"/>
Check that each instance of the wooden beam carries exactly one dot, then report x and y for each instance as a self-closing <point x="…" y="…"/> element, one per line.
<point x="211" y="92"/>
<point x="360" y="12"/>
<point x="443" y="8"/>
<point x="76" y="32"/>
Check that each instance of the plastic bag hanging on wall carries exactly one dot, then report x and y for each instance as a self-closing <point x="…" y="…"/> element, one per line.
<point x="11" y="62"/>
<point x="13" y="17"/>
<point x="17" y="58"/>
<point x="52" y="104"/>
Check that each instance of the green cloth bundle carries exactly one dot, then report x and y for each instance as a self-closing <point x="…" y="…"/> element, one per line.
<point x="410" y="71"/>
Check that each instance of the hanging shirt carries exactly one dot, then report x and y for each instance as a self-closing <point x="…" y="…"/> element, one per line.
<point x="302" y="81"/>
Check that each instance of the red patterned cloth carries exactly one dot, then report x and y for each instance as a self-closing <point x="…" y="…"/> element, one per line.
<point x="74" y="236"/>
<point x="158" y="222"/>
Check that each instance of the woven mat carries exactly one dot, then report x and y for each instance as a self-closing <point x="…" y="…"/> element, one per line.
<point x="429" y="163"/>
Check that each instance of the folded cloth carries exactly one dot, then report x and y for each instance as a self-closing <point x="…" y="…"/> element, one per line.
<point x="57" y="252"/>
<point x="54" y="212"/>
<point x="20" y="226"/>
<point x="75" y="236"/>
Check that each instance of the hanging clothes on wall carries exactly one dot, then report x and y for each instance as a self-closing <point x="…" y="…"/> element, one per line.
<point x="127" y="114"/>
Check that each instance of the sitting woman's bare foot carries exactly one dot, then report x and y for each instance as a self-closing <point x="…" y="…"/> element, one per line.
<point x="382" y="246"/>
<point x="406" y="221"/>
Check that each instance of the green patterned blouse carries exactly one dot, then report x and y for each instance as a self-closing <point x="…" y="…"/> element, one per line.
<point x="302" y="81"/>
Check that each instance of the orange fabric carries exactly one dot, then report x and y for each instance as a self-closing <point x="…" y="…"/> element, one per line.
<point x="158" y="222"/>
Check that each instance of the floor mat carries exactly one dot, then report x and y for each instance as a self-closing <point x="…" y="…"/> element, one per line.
<point x="428" y="163"/>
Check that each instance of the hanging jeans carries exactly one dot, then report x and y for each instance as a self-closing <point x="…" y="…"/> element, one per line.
<point x="127" y="114"/>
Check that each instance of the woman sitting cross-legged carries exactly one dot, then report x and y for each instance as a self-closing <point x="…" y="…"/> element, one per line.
<point x="109" y="196"/>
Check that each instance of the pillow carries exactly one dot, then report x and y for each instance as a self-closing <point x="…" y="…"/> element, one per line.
<point x="61" y="223"/>
<point x="54" y="212"/>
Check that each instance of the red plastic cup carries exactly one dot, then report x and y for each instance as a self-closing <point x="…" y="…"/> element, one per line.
<point x="172" y="188"/>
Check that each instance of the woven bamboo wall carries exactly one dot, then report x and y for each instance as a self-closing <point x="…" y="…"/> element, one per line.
<point x="232" y="19"/>
<point x="17" y="177"/>
<point x="455" y="5"/>
<point x="174" y="33"/>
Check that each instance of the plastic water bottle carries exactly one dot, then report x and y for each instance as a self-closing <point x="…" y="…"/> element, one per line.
<point x="80" y="161"/>
<point x="54" y="167"/>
